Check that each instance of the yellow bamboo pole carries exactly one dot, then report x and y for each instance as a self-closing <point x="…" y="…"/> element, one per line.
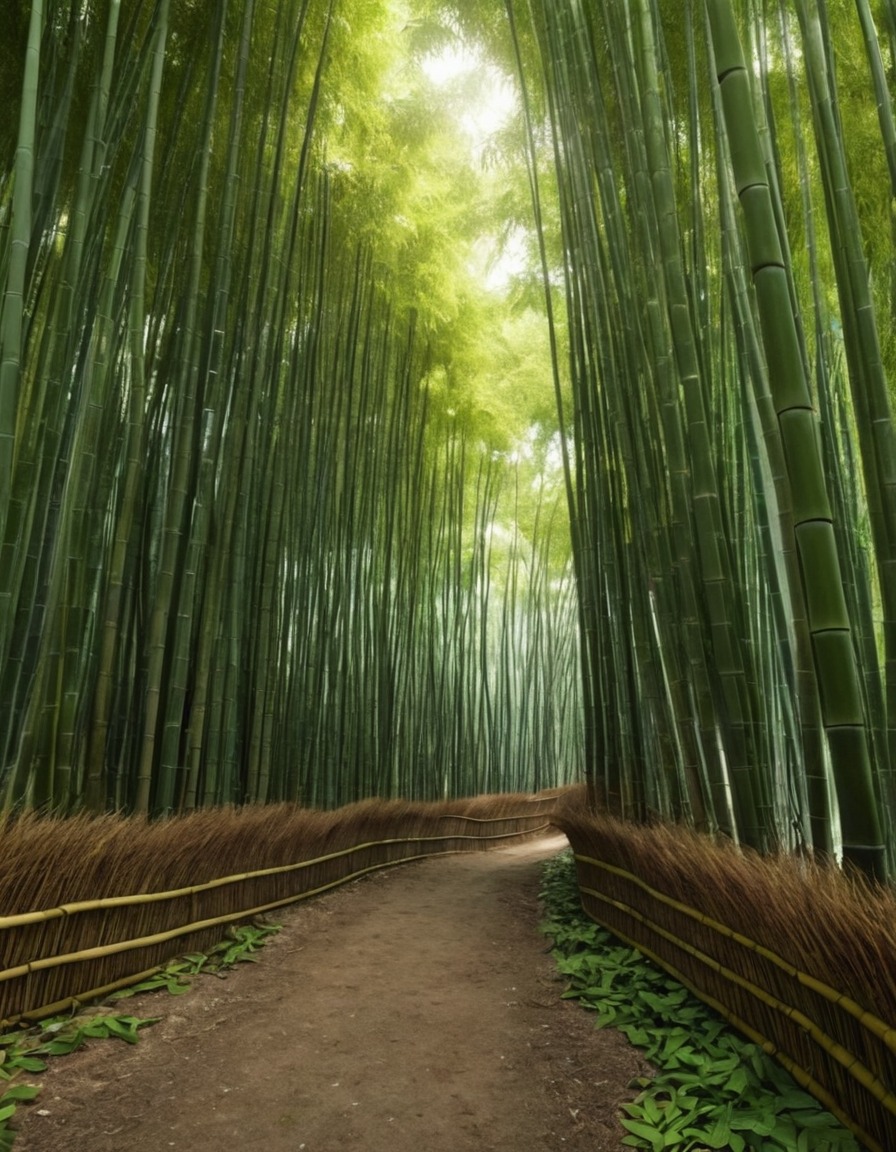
<point x="832" y="1047"/>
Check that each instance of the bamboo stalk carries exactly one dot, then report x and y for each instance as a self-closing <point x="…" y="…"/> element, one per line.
<point x="13" y="305"/>
<point x="822" y="585"/>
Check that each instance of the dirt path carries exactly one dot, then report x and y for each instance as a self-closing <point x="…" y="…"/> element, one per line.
<point x="415" y="1011"/>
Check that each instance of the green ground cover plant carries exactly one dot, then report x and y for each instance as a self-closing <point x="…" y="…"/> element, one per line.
<point x="24" y="1051"/>
<point x="240" y="943"/>
<point x="712" y="1088"/>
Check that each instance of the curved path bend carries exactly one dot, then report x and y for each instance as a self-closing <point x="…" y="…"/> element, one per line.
<point x="414" y="1011"/>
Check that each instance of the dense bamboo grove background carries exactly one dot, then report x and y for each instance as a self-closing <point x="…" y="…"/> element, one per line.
<point x="248" y="506"/>
<point x="254" y="546"/>
<point x="295" y="504"/>
<point x="248" y="500"/>
<point x="268" y="530"/>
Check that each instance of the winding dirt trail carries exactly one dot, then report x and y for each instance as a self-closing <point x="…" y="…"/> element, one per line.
<point x="414" y="1011"/>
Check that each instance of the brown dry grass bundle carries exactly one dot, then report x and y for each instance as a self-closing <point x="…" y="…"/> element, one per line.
<point x="90" y="900"/>
<point x="799" y="952"/>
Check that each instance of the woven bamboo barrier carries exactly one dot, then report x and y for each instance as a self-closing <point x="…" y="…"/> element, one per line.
<point x="799" y="958"/>
<point x="92" y="904"/>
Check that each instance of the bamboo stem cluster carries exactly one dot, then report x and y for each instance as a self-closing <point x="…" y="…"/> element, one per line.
<point x="736" y="631"/>
<point x="248" y="553"/>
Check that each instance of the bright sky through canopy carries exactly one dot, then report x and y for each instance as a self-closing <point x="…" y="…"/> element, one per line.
<point x="488" y="102"/>
<point x="484" y="101"/>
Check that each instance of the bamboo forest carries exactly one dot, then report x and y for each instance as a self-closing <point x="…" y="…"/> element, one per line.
<point x="481" y="406"/>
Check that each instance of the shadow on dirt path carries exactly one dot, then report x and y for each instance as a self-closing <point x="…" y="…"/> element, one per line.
<point x="414" y="1011"/>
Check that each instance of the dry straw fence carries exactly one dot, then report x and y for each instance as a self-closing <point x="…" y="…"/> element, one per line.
<point x="94" y="903"/>
<point x="799" y="958"/>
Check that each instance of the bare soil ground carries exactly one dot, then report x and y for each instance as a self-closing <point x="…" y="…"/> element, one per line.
<point x="414" y="1011"/>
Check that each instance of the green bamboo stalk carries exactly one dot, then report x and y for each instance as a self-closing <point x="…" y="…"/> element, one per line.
<point x="578" y="552"/>
<point x="870" y="391"/>
<point x="207" y="634"/>
<point x="12" y="316"/>
<point x="829" y="624"/>
<point x="731" y="661"/>
<point x="191" y="480"/>
<point x="882" y="94"/>
<point x="813" y="751"/>
<point x="156" y="638"/>
<point x="48" y="746"/>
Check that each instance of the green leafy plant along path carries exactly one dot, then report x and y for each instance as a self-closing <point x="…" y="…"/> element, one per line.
<point x="712" y="1089"/>
<point x="24" y="1051"/>
<point x="241" y="943"/>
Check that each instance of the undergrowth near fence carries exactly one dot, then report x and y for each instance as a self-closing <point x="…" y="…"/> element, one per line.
<point x="240" y="944"/>
<point x="24" y="1052"/>
<point x="712" y="1089"/>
